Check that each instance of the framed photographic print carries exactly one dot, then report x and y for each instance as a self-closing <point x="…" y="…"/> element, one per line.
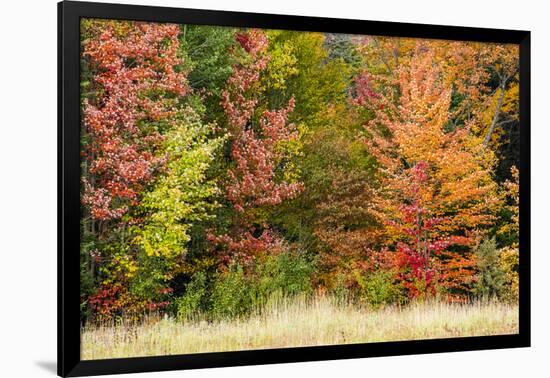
<point x="239" y="188"/>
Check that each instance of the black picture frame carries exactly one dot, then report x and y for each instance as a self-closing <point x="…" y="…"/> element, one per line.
<point x="69" y="362"/>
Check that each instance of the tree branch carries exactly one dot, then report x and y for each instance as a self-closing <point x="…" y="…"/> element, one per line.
<point x="495" y="115"/>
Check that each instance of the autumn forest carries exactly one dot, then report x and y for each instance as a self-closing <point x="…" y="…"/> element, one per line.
<point x="246" y="188"/>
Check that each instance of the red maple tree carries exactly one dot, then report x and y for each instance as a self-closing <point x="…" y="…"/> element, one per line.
<point x="254" y="180"/>
<point x="134" y="81"/>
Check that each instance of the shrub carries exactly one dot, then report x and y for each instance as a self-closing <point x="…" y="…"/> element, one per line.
<point x="377" y="288"/>
<point x="192" y="302"/>
<point x="230" y="294"/>
<point x="286" y="274"/>
<point x="490" y="280"/>
<point x="276" y="277"/>
<point x="146" y="277"/>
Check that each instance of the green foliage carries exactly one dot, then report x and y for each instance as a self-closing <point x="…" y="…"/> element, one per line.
<point x="206" y="55"/>
<point x="277" y="277"/>
<point x="340" y="46"/>
<point x="234" y="292"/>
<point x="231" y="294"/>
<point x="328" y="131"/>
<point x="490" y="279"/>
<point x="180" y="198"/>
<point x="314" y="80"/>
<point x="184" y="194"/>
<point x="284" y="275"/>
<point x="192" y="302"/>
<point x="378" y="288"/>
<point x="150" y="277"/>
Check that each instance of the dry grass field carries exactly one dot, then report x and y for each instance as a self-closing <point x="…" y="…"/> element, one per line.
<point x="299" y="323"/>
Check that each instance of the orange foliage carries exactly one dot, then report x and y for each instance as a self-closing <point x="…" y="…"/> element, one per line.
<point x="411" y="125"/>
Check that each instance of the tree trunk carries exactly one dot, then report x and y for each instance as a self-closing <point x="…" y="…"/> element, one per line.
<point x="495" y="117"/>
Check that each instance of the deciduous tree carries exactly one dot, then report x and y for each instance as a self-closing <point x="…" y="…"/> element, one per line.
<point x="407" y="135"/>
<point x="261" y="174"/>
<point x="134" y="83"/>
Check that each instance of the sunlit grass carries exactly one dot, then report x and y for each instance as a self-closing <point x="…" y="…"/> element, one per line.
<point x="292" y="323"/>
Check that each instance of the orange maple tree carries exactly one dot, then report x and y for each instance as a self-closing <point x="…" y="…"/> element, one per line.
<point x="456" y="197"/>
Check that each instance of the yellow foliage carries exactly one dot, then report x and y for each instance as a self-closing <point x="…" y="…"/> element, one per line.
<point x="281" y="65"/>
<point x="509" y="263"/>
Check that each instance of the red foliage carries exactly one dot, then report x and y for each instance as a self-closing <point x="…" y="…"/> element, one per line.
<point x="253" y="41"/>
<point x="239" y="107"/>
<point x="364" y="91"/>
<point x="245" y="247"/>
<point x="252" y="181"/>
<point x="105" y="302"/>
<point x="111" y="300"/>
<point x="133" y="74"/>
<point x="423" y="259"/>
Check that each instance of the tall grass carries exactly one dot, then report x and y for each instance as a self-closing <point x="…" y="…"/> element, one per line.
<point x="299" y="322"/>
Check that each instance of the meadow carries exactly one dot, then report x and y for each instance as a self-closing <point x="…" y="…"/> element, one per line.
<point x="298" y="323"/>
